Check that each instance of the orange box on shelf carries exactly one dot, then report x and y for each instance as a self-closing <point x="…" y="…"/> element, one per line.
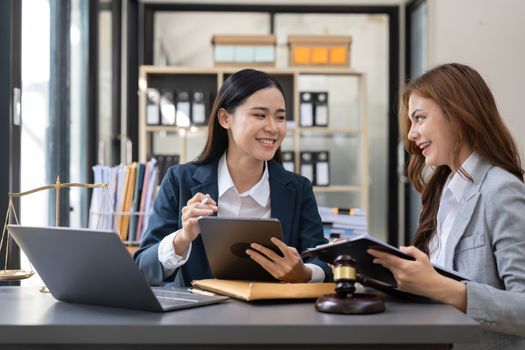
<point x="338" y="55"/>
<point x="301" y="55"/>
<point x="319" y="50"/>
<point x="319" y="55"/>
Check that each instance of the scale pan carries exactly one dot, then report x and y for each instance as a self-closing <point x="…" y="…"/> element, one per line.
<point x="15" y="275"/>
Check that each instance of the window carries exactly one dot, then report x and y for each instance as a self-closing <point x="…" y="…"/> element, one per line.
<point x="54" y="111"/>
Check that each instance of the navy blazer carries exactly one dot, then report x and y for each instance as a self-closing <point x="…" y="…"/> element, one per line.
<point x="292" y="201"/>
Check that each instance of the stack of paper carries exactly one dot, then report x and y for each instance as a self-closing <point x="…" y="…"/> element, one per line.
<point x="102" y="202"/>
<point x="344" y="222"/>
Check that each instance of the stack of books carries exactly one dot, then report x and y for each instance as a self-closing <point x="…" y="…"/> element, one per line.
<point x="132" y="189"/>
<point x="343" y="223"/>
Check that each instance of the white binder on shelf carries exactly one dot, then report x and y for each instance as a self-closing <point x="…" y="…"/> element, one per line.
<point x="152" y="106"/>
<point x="306" y="110"/>
<point x="322" y="168"/>
<point x="288" y="158"/>
<point x="183" y="109"/>
<point x="167" y="108"/>
<point x="307" y="166"/>
<point x="198" y="108"/>
<point x="321" y="109"/>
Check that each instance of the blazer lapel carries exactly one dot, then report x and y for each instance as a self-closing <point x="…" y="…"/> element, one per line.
<point x="465" y="211"/>
<point x="282" y="198"/>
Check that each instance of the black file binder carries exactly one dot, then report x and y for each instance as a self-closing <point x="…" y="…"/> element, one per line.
<point x="322" y="168"/>
<point x="167" y="108"/>
<point x="183" y="108"/>
<point x="152" y="106"/>
<point x="135" y="206"/>
<point x="374" y="275"/>
<point x="164" y="161"/>
<point x="199" y="107"/>
<point x="288" y="158"/>
<point x="307" y="166"/>
<point x="321" y="109"/>
<point x="306" y="115"/>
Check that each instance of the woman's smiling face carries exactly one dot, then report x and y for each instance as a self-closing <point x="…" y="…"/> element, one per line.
<point x="257" y="127"/>
<point x="431" y="131"/>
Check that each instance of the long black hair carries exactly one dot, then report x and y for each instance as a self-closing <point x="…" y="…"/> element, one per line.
<point x="233" y="92"/>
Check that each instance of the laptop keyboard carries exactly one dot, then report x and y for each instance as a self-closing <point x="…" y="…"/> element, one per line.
<point x="168" y="299"/>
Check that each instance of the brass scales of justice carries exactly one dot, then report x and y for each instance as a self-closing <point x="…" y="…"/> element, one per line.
<point x="17" y="275"/>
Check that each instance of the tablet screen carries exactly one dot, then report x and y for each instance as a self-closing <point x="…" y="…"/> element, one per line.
<point x="226" y="240"/>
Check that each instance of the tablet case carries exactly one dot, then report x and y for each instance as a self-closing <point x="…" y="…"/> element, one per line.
<point x="226" y="240"/>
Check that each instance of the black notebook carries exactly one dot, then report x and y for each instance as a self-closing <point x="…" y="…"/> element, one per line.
<point x="373" y="275"/>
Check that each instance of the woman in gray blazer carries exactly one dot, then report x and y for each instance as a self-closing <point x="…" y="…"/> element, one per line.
<point x="466" y="165"/>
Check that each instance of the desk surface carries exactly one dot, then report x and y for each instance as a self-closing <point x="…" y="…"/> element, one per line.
<point x="30" y="317"/>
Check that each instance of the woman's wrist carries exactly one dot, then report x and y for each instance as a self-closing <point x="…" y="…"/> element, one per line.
<point x="181" y="243"/>
<point x="308" y="273"/>
<point x="450" y="292"/>
<point x="458" y="295"/>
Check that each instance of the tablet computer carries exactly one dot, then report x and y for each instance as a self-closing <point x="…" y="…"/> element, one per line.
<point x="226" y="240"/>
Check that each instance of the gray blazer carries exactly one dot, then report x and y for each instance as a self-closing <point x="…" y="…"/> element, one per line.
<point x="487" y="245"/>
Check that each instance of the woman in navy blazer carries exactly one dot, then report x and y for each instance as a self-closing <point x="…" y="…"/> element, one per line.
<point x="246" y="128"/>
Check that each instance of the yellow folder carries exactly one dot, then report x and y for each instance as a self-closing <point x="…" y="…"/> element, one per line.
<point x="250" y="290"/>
<point x="126" y="203"/>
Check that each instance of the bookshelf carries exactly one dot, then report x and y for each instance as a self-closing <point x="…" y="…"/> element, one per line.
<point x="345" y="135"/>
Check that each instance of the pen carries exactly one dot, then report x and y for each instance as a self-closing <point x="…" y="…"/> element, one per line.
<point x="200" y="291"/>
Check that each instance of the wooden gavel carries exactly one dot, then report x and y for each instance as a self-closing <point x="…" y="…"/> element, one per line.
<point x="345" y="300"/>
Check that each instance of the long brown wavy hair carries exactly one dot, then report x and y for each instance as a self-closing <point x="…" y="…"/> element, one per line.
<point x="468" y="104"/>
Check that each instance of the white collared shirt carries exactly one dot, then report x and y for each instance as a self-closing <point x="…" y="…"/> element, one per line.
<point x="448" y="209"/>
<point x="253" y="203"/>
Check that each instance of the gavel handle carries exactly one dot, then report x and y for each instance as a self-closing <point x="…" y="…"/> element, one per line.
<point x="370" y="282"/>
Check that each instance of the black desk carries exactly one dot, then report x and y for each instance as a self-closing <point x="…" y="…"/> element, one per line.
<point x="31" y="318"/>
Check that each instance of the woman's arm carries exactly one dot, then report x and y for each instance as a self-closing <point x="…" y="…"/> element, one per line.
<point x="500" y="309"/>
<point x="164" y="220"/>
<point x="311" y="228"/>
<point x="419" y="277"/>
<point x="495" y="308"/>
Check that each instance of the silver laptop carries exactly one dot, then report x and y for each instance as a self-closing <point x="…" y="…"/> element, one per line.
<point x="94" y="267"/>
